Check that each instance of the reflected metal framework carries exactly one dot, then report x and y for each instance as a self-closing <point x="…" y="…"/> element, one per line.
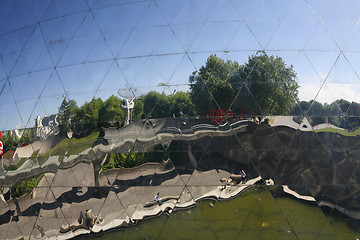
<point x="77" y="161"/>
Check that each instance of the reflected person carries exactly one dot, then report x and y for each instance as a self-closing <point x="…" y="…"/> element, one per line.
<point x="243" y="177"/>
<point x="158" y="199"/>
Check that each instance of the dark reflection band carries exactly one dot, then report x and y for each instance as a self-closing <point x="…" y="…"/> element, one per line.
<point x="128" y="165"/>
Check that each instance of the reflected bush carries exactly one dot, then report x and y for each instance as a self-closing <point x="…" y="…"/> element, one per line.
<point x="123" y="160"/>
<point x="26" y="186"/>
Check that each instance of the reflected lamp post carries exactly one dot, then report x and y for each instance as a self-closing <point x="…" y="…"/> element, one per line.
<point x="129" y="106"/>
<point x="128" y="94"/>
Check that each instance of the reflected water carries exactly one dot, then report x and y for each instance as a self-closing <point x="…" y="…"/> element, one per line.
<point x="104" y="104"/>
<point x="107" y="179"/>
<point x="255" y="214"/>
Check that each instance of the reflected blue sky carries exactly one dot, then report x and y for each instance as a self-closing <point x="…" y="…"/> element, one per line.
<point x="84" y="49"/>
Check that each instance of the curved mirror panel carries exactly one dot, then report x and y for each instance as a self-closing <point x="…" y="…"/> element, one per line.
<point x="184" y="119"/>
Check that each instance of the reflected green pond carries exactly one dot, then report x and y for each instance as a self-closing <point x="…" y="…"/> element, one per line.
<point x="255" y="214"/>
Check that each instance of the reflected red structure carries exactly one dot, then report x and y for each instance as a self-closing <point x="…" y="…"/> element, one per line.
<point x="1" y="147"/>
<point x="218" y="116"/>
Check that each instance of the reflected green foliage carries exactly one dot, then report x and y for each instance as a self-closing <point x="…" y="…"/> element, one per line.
<point x="315" y="110"/>
<point x="27" y="136"/>
<point x="340" y="113"/>
<point x="70" y="147"/>
<point x="213" y="77"/>
<point x="138" y="109"/>
<point x="26" y="186"/>
<point x="158" y="105"/>
<point x="340" y="131"/>
<point x="9" y="168"/>
<point x="67" y="114"/>
<point x="96" y="112"/>
<point x="183" y="104"/>
<point x="90" y="112"/>
<point x="88" y="116"/>
<point x="263" y="85"/>
<point x="16" y="166"/>
<point x="122" y="160"/>
<point x="272" y="87"/>
<point x="111" y="110"/>
<point x="11" y="140"/>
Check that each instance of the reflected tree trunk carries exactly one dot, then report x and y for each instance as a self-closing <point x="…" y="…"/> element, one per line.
<point x="2" y="171"/>
<point x="191" y="156"/>
<point x="97" y="167"/>
<point x="12" y="194"/>
<point x="334" y="178"/>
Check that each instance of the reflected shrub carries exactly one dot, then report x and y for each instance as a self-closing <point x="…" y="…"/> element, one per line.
<point x="26" y="186"/>
<point x="122" y="160"/>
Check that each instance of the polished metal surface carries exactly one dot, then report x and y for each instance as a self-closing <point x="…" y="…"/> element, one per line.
<point x="80" y="193"/>
<point x="184" y="119"/>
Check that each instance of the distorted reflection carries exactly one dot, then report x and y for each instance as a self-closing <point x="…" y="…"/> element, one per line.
<point x="113" y="112"/>
<point x="66" y="184"/>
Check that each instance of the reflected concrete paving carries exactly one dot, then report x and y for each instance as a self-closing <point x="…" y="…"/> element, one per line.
<point x="200" y="164"/>
<point x="118" y="205"/>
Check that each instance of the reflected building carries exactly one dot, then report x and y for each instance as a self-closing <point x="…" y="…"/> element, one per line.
<point x="46" y="126"/>
<point x="245" y="119"/>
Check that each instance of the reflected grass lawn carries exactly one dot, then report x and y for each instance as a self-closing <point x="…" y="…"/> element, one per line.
<point x="69" y="147"/>
<point x="340" y="131"/>
<point x="255" y="214"/>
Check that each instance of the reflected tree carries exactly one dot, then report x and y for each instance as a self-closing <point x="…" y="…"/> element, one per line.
<point x="112" y="111"/>
<point x="271" y="83"/>
<point x="313" y="110"/>
<point x="138" y="110"/>
<point x="68" y="111"/>
<point x="210" y="86"/>
<point x="183" y="105"/>
<point x="340" y="113"/>
<point x="263" y="85"/>
<point x="89" y="113"/>
<point x="157" y="105"/>
<point x="27" y="135"/>
<point x="9" y="139"/>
